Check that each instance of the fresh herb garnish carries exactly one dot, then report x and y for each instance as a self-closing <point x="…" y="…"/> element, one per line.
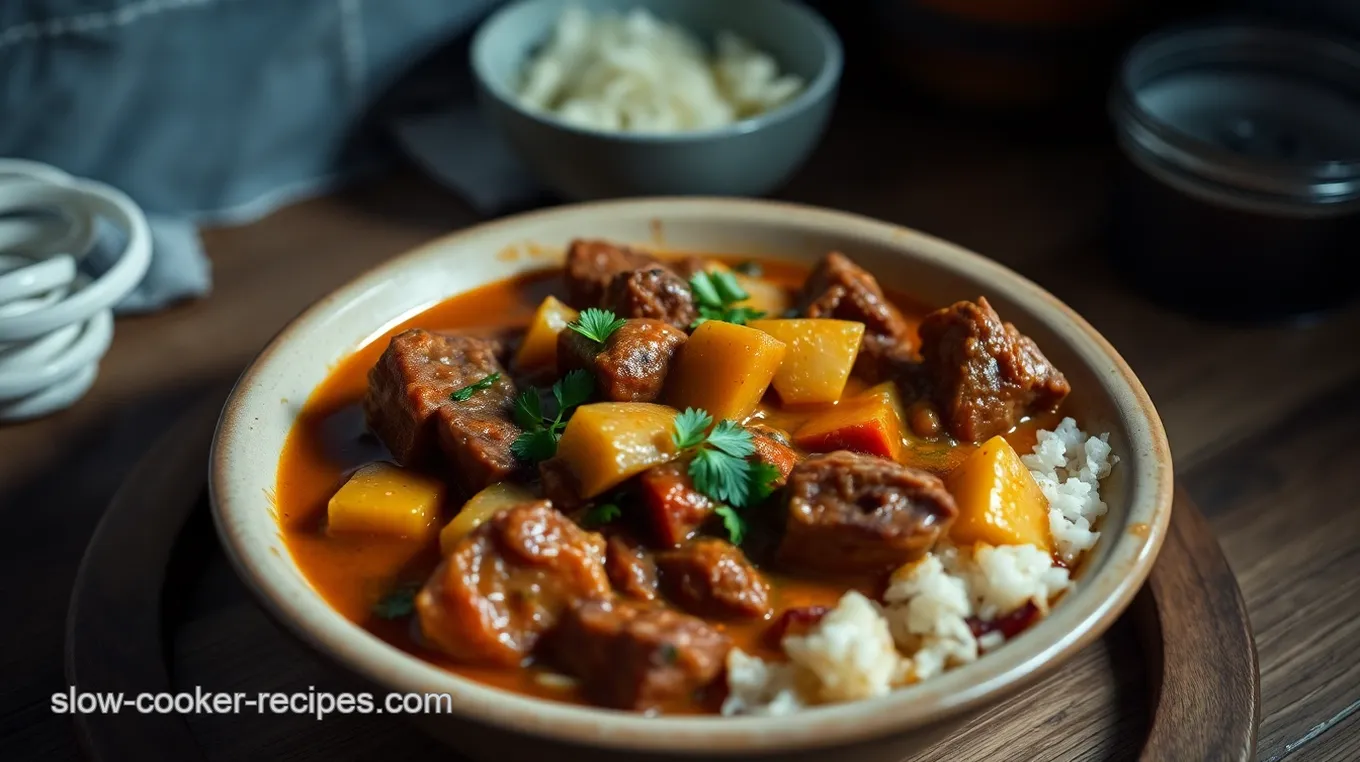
<point x="600" y="515"/>
<point x="749" y="267"/>
<point x="669" y="653"/>
<point x="719" y="465"/>
<point x="716" y="294"/>
<point x="397" y="604"/>
<point x="596" y="324"/>
<point x="733" y="523"/>
<point x="539" y="440"/>
<point x="465" y="394"/>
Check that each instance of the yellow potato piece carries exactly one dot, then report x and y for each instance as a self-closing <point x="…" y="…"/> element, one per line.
<point x="770" y="298"/>
<point x="606" y="442"/>
<point x="818" y="360"/>
<point x="724" y="369"/>
<point x="382" y="498"/>
<point x="999" y="501"/>
<point x="480" y="508"/>
<point x="539" y="349"/>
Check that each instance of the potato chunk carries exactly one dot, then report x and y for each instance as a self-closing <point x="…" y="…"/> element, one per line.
<point x="999" y="501"/>
<point x="870" y="423"/>
<point x="482" y="506"/>
<point x="539" y="349"/>
<point x="818" y="360"/>
<point x="383" y="498"/>
<point x="771" y="298"/>
<point x="607" y="442"/>
<point x="725" y="369"/>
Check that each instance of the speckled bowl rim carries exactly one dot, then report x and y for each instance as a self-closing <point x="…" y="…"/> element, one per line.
<point x="817" y="88"/>
<point x="1081" y="618"/>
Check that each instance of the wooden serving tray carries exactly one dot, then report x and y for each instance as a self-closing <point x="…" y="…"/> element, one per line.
<point x="157" y="608"/>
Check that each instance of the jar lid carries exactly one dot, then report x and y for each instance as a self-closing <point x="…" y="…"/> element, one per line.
<point x="1245" y="112"/>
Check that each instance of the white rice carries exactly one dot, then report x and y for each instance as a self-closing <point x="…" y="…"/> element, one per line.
<point x="636" y="73"/>
<point x="861" y="649"/>
<point x="1068" y="464"/>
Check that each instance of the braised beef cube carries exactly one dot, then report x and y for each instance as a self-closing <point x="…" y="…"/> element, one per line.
<point x="675" y="508"/>
<point x="887" y="358"/>
<point x="560" y="484"/>
<point x="838" y="288"/>
<point x="592" y="264"/>
<point x="631" y="568"/>
<point x="849" y="512"/>
<point x="985" y="375"/>
<point x="637" y="656"/>
<point x="651" y="292"/>
<point x="772" y="446"/>
<point x="631" y="366"/>
<point x="409" y="406"/>
<point x="507" y="582"/>
<point x="713" y="578"/>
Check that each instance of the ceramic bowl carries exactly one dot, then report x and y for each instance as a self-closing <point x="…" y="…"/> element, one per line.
<point x="491" y="724"/>
<point x="750" y="157"/>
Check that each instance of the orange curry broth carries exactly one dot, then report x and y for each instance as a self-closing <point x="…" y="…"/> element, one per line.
<point x="353" y="572"/>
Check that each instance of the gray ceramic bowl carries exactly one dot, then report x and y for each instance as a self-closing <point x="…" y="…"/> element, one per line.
<point x="750" y="157"/>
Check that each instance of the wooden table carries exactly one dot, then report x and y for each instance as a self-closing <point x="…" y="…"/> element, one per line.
<point x="1263" y="421"/>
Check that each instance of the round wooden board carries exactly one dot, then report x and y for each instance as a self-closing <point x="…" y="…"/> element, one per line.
<point x="157" y="608"/>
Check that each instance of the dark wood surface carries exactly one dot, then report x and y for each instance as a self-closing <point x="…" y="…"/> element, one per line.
<point x="1262" y="420"/>
<point x="1145" y="691"/>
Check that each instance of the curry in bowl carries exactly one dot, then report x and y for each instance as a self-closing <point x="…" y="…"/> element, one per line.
<point x="688" y="485"/>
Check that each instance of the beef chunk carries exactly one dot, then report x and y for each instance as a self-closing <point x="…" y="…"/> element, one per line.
<point x="592" y="264"/>
<point x="630" y="568"/>
<point x="772" y="446"/>
<point x="984" y="374"/>
<point x="631" y="366"/>
<point x="675" y="508"/>
<point x="858" y="513"/>
<point x="408" y="405"/>
<point x="506" y="583"/>
<point x="651" y="292"/>
<point x="637" y="656"/>
<point x="838" y="288"/>
<point x="560" y="484"/>
<point x="710" y="577"/>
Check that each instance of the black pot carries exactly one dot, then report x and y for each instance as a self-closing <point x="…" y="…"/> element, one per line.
<point x="1239" y="191"/>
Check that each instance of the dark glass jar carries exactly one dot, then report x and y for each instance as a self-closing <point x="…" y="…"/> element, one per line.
<point x="1238" y="194"/>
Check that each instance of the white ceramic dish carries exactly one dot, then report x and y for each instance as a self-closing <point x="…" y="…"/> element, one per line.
<point x="491" y="724"/>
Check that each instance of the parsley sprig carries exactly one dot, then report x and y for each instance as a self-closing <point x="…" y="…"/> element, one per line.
<point x="596" y="324"/>
<point x="539" y="440"/>
<point x="399" y="603"/>
<point x="719" y="466"/>
<point x="716" y="294"/>
<point x="485" y="382"/>
<point x="601" y="514"/>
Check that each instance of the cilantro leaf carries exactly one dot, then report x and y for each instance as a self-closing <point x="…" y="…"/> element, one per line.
<point x="485" y="382"/>
<point x="716" y="293"/>
<point x="763" y="477"/>
<point x="732" y="439"/>
<point x="721" y="476"/>
<point x="733" y="523"/>
<point x="596" y="324"/>
<point x="534" y="446"/>
<point x="705" y="292"/>
<point x="396" y="604"/>
<point x="729" y="290"/>
<point x="539" y="440"/>
<point x="601" y="515"/>
<point x="690" y="428"/>
<point x="528" y="410"/>
<point x="573" y="389"/>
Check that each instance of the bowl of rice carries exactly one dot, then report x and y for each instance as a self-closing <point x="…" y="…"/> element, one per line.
<point x="611" y="98"/>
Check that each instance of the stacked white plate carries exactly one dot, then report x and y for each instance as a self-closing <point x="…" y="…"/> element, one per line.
<point x="56" y="322"/>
